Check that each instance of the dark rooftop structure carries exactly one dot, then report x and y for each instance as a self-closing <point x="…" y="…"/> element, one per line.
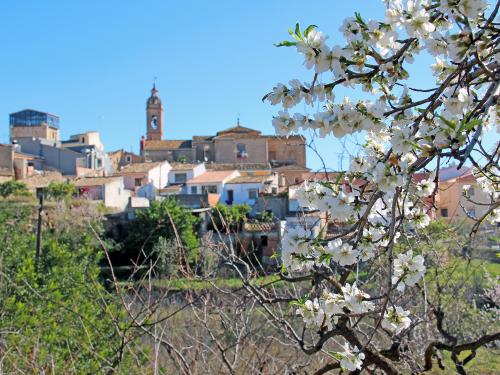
<point x="29" y="117"/>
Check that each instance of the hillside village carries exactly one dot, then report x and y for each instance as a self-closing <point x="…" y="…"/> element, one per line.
<point x="238" y="165"/>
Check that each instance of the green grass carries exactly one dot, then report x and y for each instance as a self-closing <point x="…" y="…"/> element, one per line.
<point x="184" y="284"/>
<point x="487" y="362"/>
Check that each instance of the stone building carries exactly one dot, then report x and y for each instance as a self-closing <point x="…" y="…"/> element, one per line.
<point x="235" y="145"/>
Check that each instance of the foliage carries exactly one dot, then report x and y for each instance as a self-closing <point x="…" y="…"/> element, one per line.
<point x="163" y="219"/>
<point x="265" y="216"/>
<point x="225" y="216"/>
<point x="60" y="190"/>
<point x="9" y="188"/>
<point x="59" y="319"/>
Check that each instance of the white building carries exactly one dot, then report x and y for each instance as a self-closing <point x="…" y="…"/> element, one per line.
<point x="110" y="190"/>
<point x="211" y="182"/>
<point x="246" y="189"/>
<point x="180" y="173"/>
<point x="138" y="175"/>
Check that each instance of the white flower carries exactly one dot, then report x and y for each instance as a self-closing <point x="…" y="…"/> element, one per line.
<point x="344" y="255"/>
<point x="418" y="24"/>
<point x="396" y="319"/>
<point x="284" y="124"/>
<point x="409" y="269"/>
<point x="425" y="188"/>
<point x="355" y="299"/>
<point x="312" y="313"/>
<point x="352" y="359"/>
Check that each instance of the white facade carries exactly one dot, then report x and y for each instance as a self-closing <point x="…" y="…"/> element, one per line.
<point x="176" y="176"/>
<point x="211" y="182"/>
<point x="157" y="176"/>
<point x="242" y="193"/>
<point x="115" y="194"/>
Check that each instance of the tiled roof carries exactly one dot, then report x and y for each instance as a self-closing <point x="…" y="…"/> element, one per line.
<point x="170" y="189"/>
<point x="43" y="179"/>
<point x="292" y="167"/>
<point x="139" y="167"/>
<point x="202" y="138"/>
<point x="95" y="181"/>
<point x="239" y="166"/>
<point x="259" y="227"/>
<point x="183" y="166"/>
<point x="248" y="179"/>
<point x="212" y="176"/>
<point x="238" y="129"/>
<point x="168" y="144"/>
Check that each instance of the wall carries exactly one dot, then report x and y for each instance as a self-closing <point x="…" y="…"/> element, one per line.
<point x="158" y="176"/>
<point x="6" y="157"/>
<point x="169" y="154"/>
<point x="203" y="149"/>
<point x="291" y="150"/>
<point x="63" y="160"/>
<point x="241" y="193"/>
<point x="451" y="197"/>
<point x="115" y="194"/>
<point x="256" y="148"/>
<point x="277" y="204"/>
<point x="42" y="131"/>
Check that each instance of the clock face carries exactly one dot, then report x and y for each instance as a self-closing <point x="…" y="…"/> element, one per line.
<point x="154" y="122"/>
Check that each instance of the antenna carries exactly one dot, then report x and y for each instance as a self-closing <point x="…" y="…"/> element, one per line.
<point x="341" y="156"/>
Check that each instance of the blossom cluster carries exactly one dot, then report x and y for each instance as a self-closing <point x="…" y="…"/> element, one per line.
<point x="405" y="129"/>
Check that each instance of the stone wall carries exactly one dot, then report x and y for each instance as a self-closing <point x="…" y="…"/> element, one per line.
<point x="43" y="131"/>
<point x="256" y="148"/>
<point x="291" y="150"/>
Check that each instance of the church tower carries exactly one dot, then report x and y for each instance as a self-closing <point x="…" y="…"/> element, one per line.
<point x="154" y="116"/>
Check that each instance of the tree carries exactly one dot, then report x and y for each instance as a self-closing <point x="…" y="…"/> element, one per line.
<point x="408" y="130"/>
<point x="230" y="217"/>
<point x="59" y="318"/>
<point x="164" y="219"/>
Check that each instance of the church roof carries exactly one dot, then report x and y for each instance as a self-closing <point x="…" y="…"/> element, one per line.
<point x="168" y="144"/>
<point x="238" y="130"/>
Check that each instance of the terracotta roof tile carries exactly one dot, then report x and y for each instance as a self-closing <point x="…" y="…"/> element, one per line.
<point x="139" y="167"/>
<point x="248" y="179"/>
<point x="212" y="176"/>
<point x="183" y="166"/>
<point x="166" y="144"/>
<point x="95" y="181"/>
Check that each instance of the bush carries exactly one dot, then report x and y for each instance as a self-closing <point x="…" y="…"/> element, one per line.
<point x="13" y="188"/>
<point x="60" y="190"/>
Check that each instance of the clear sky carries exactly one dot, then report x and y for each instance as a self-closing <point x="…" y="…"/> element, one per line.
<point x="93" y="62"/>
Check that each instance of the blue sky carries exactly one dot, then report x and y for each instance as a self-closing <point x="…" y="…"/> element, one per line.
<point x="93" y="62"/>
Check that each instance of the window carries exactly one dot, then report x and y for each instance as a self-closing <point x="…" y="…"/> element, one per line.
<point x="211" y="189"/>
<point x="272" y="155"/>
<point x="194" y="189"/>
<point x="263" y="241"/>
<point x="252" y="193"/>
<point x="128" y="159"/>
<point x="444" y="212"/>
<point x="180" y="177"/>
<point x="138" y="182"/>
<point x="241" y="151"/>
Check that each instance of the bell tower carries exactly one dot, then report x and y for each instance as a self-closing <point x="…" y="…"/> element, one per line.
<point x="154" y="116"/>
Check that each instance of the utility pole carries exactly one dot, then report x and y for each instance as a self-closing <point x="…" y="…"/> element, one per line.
<point x="40" y="194"/>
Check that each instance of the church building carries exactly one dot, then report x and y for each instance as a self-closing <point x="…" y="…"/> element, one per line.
<point x="237" y="145"/>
